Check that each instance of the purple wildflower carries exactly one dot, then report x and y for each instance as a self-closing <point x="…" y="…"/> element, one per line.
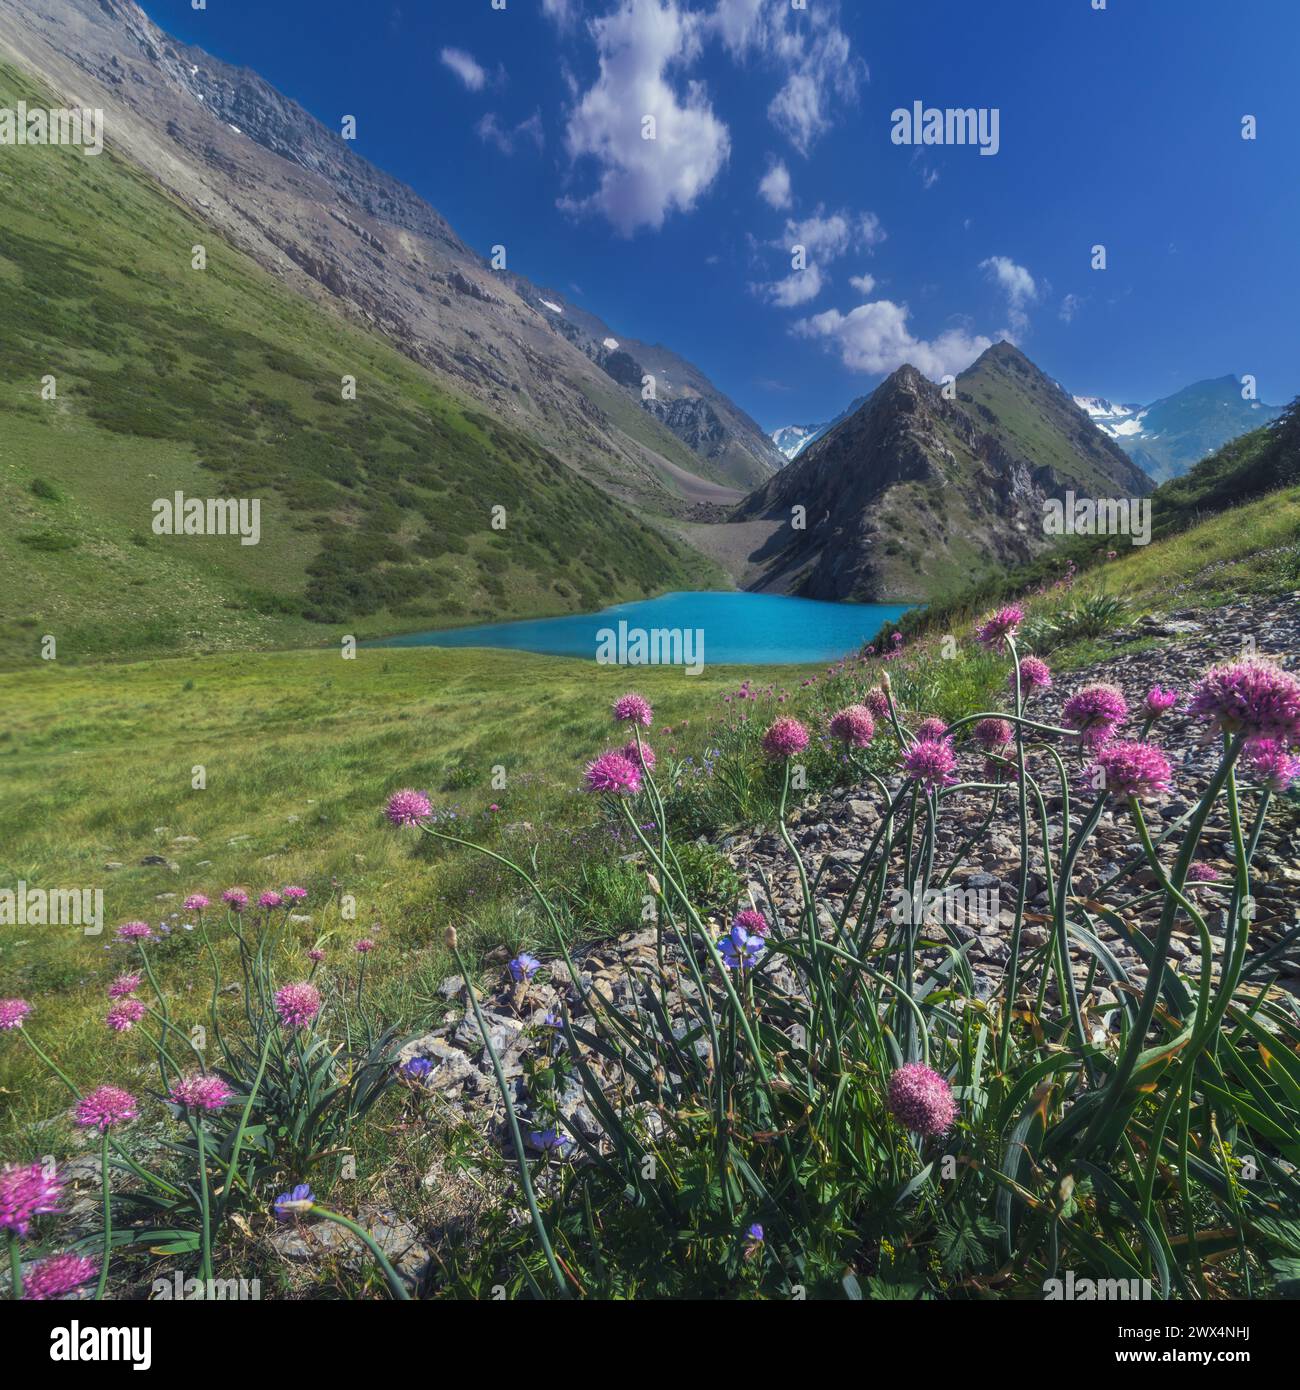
<point x="12" y="1013"/>
<point x="931" y="763"/>
<point x="56" y="1276"/>
<point x="612" y="772"/>
<point x="296" y="1202"/>
<point x="524" y="967"/>
<point x="740" y="949"/>
<point x="297" y="1004"/>
<point x="997" y="627"/>
<point x="1034" y="675"/>
<point x="1132" y="769"/>
<point x="992" y="734"/>
<point x="752" y="921"/>
<point x="1252" y="697"/>
<point x="106" y="1108"/>
<point x="124" y="1015"/>
<point x="1095" y="711"/>
<point x="633" y="709"/>
<point x="199" y="1092"/>
<point x="922" y="1099"/>
<point x="854" y="726"/>
<point x="408" y="807"/>
<point x="26" y="1193"/>
<point x="784" y="739"/>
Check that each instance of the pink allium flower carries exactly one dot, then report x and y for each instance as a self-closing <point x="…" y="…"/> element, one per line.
<point x="123" y="986"/>
<point x="1158" y="702"/>
<point x="270" y="899"/>
<point x="1253" y="697"/>
<point x="199" y="1092"/>
<point x="26" y="1193"/>
<point x="997" y="627"/>
<point x="1095" y="711"/>
<point x="124" y="1015"/>
<point x="135" y="931"/>
<point x="1271" y="765"/>
<point x="612" y="772"/>
<point x="12" y="1013"/>
<point x="877" y="702"/>
<point x="294" y="894"/>
<point x="365" y="945"/>
<point x="751" y="921"/>
<point x="633" y="709"/>
<point x="236" y="897"/>
<point x="297" y="1004"/>
<point x="408" y="807"/>
<point x="992" y="734"/>
<point x="785" y="738"/>
<point x="1133" y="769"/>
<point x="854" y="726"/>
<point x="642" y="756"/>
<point x="922" y="1099"/>
<point x="931" y="763"/>
<point x="105" y="1108"/>
<point x="316" y="954"/>
<point x="56" y="1276"/>
<point x="931" y="731"/>
<point x="196" y="902"/>
<point x="1034" y="675"/>
<point x="1201" y="872"/>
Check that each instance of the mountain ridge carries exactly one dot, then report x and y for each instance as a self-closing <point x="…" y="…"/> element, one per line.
<point x="971" y="472"/>
<point x="1169" y="436"/>
<point x="278" y="183"/>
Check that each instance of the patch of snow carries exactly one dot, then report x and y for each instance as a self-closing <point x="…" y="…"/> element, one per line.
<point x="554" y="308"/>
<point x="612" y="344"/>
<point x="235" y="128"/>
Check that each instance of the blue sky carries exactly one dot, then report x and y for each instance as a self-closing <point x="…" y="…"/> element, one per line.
<point x="1119" y="127"/>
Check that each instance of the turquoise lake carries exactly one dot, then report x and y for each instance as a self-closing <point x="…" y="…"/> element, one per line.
<point x="734" y="629"/>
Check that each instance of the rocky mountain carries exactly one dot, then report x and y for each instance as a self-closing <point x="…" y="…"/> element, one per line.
<point x="276" y="182"/>
<point x="1167" y="437"/>
<point x="913" y="493"/>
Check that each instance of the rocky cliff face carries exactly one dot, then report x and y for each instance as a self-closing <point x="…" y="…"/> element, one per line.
<point x="913" y="492"/>
<point x="270" y="177"/>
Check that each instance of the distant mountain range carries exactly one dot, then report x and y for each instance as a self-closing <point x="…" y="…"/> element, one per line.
<point x="912" y="494"/>
<point x="1164" y="438"/>
<point x="1168" y="436"/>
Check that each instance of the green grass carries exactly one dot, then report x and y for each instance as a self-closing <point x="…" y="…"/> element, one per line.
<point x="376" y="513"/>
<point x="300" y="751"/>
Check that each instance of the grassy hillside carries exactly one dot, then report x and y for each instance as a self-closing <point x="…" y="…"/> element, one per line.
<point x="376" y="513"/>
<point x="1237" y="508"/>
<point x="300" y="750"/>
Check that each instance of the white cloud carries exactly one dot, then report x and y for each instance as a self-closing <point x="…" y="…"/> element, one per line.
<point x="809" y="47"/>
<point x="491" y="131"/>
<point x="464" y="66"/>
<point x="1070" y="306"/>
<point x="874" y="338"/>
<point x="775" y="186"/>
<point x="641" y="180"/>
<point x="825" y="75"/>
<point x="1019" y="286"/>
<point x="797" y="288"/>
<point x="831" y="236"/>
<point x="864" y="284"/>
<point x="563" y="12"/>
